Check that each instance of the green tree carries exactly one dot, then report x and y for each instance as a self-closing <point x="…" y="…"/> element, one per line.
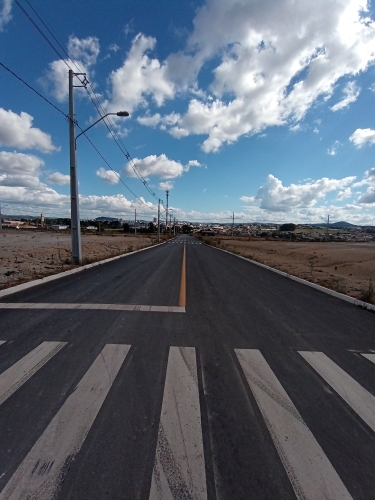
<point x="288" y="227"/>
<point x="126" y="227"/>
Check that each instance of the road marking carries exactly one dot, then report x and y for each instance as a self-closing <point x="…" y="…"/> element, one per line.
<point x="370" y="357"/>
<point x="309" y="470"/>
<point x="43" y="470"/>
<point x="19" y="373"/>
<point x="109" y="307"/>
<point x="2" y="342"/>
<point x="182" y="300"/>
<point x="179" y="468"/>
<point x="360" y="400"/>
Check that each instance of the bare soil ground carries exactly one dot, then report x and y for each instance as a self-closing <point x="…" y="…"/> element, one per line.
<point x="27" y="255"/>
<point x="344" y="267"/>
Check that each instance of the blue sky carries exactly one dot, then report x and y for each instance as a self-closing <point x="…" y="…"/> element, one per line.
<point x="257" y="107"/>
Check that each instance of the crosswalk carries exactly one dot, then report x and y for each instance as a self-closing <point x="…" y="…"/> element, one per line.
<point x="179" y="469"/>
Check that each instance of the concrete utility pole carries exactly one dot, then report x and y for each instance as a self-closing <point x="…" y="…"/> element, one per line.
<point x="174" y="227"/>
<point x="159" y="221"/>
<point x="327" y="228"/>
<point x="75" y="222"/>
<point x="135" y="222"/>
<point x="233" y="224"/>
<point x="1" y="222"/>
<point x="166" y="213"/>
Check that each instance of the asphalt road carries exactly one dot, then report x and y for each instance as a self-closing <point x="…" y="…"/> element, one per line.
<point x="261" y="388"/>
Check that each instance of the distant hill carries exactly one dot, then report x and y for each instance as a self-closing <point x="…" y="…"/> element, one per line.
<point x="343" y="224"/>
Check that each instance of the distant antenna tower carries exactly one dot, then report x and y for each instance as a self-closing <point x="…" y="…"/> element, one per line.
<point x="166" y="213"/>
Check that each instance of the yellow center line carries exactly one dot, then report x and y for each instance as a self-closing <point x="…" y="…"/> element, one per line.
<point x="182" y="301"/>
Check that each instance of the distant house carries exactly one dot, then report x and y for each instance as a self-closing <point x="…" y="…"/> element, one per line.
<point x="58" y="227"/>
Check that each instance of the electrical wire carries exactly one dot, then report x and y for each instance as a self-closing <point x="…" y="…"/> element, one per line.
<point x="98" y="105"/>
<point x="67" y="117"/>
<point x="32" y="88"/>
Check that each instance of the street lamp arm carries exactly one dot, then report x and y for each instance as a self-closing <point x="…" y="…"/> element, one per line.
<point x="119" y="113"/>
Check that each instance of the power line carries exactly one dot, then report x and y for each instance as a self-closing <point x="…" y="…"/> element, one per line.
<point x="98" y="105"/>
<point x="32" y="88"/>
<point x="66" y="116"/>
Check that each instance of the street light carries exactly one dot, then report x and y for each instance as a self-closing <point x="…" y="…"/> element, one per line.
<point x="74" y="199"/>
<point x="1" y="224"/>
<point x="119" y="113"/>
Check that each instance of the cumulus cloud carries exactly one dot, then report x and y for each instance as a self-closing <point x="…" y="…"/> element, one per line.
<point x="345" y="193"/>
<point x="5" y="13"/>
<point x="19" y="170"/>
<point x="166" y="185"/>
<point x="369" y="196"/>
<point x="108" y="176"/>
<point x="17" y="131"/>
<point x="85" y="51"/>
<point x="139" y="77"/>
<point x="275" y="60"/>
<point x="275" y="197"/>
<point x="58" y="178"/>
<point x="351" y="92"/>
<point x="362" y="136"/>
<point x="159" y="166"/>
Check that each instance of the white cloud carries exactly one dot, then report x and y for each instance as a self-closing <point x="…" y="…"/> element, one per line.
<point x="19" y="170"/>
<point x="334" y="148"/>
<point x="58" y="178"/>
<point x="369" y="196"/>
<point x="149" y="121"/>
<point x="166" y="185"/>
<point x="159" y="166"/>
<point x="362" y="136"/>
<point x="108" y="176"/>
<point x="276" y="59"/>
<point x="17" y="131"/>
<point x="345" y="193"/>
<point x="114" y="47"/>
<point x="139" y="77"/>
<point x="5" y="13"/>
<point x="351" y="93"/>
<point x="275" y="197"/>
<point x="85" y="51"/>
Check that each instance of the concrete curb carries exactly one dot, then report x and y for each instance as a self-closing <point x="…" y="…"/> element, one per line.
<point x="338" y="295"/>
<point x="30" y="284"/>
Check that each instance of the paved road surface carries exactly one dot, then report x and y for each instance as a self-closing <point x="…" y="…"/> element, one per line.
<point x="260" y="388"/>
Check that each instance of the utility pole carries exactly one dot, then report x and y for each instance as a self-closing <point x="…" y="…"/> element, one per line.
<point x="174" y="227"/>
<point x="233" y="224"/>
<point x="159" y="221"/>
<point x="135" y="222"/>
<point x="75" y="222"/>
<point x="166" y="213"/>
<point x="1" y="222"/>
<point x="327" y="228"/>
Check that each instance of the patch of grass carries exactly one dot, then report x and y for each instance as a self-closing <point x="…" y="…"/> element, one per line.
<point x="368" y="294"/>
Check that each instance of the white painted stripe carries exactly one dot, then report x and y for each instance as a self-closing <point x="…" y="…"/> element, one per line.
<point x="360" y="400"/>
<point x="109" y="307"/>
<point x="309" y="470"/>
<point x="19" y="373"/>
<point x="40" y="474"/>
<point x="2" y="342"/>
<point x="179" y="469"/>
<point x="370" y="357"/>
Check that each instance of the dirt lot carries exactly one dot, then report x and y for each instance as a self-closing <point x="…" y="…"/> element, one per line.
<point x="344" y="267"/>
<point x="26" y="255"/>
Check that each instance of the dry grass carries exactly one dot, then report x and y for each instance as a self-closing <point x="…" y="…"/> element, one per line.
<point x="345" y="267"/>
<point x="27" y="255"/>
